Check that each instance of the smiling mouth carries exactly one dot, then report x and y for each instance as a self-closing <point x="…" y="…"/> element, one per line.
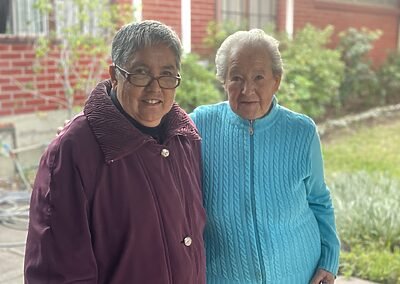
<point x="152" y="101"/>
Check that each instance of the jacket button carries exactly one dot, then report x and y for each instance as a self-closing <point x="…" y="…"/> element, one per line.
<point x="164" y="153"/>
<point x="187" y="241"/>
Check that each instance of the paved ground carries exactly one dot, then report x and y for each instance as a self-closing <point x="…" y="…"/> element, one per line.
<point x="12" y="246"/>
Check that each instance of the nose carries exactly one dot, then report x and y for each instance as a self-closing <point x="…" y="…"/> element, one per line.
<point x="153" y="85"/>
<point x="247" y="88"/>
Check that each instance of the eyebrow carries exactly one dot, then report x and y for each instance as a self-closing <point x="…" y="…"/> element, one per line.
<point x="141" y="64"/>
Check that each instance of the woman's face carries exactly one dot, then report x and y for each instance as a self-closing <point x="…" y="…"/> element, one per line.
<point x="149" y="104"/>
<point x="249" y="82"/>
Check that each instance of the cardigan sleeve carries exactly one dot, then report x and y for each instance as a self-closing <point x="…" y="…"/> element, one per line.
<point x="58" y="247"/>
<point x="320" y="202"/>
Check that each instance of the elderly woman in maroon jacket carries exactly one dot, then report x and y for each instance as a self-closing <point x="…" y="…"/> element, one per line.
<point x="117" y="197"/>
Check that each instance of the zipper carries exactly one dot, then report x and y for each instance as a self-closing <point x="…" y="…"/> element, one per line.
<point x="251" y="127"/>
<point x="253" y="199"/>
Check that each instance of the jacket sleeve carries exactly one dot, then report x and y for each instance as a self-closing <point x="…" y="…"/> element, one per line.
<point x="320" y="202"/>
<point x="58" y="247"/>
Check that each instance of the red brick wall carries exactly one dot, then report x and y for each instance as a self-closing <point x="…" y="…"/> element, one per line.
<point x="17" y="77"/>
<point x="168" y="12"/>
<point x="322" y="13"/>
<point x="21" y="89"/>
<point x="203" y="11"/>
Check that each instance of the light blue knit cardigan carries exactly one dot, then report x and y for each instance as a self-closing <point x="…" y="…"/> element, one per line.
<point x="270" y="214"/>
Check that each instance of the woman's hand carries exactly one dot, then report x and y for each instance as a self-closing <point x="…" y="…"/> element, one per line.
<point x="323" y="277"/>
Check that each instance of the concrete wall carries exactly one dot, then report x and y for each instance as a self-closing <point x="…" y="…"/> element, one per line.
<point x="33" y="132"/>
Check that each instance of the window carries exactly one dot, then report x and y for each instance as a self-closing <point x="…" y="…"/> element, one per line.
<point x="252" y="13"/>
<point x="18" y="17"/>
<point x="67" y="15"/>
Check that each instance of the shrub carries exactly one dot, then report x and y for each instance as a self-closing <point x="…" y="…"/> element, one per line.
<point x="389" y="78"/>
<point x="375" y="264"/>
<point x="198" y="86"/>
<point x="359" y="87"/>
<point x="216" y="33"/>
<point x="366" y="207"/>
<point x="312" y="72"/>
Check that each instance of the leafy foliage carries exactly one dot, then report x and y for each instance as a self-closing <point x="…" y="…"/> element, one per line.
<point x="312" y="72"/>
<point x="216" y="33"/>
<point x="78" y="47"/>
<point x="198" y="86"/>
<point x="371" y="263"/>
<point x="365" y="207"/>
<point x="358" y="89"/>
<point x="364" y="177"/>
<point x="389" y="78"/>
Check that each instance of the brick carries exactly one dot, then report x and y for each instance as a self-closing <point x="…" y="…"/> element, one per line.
<point x="5" y="112"/>
<point x="34" y="102"/>
<point x="10" y="55"/>
<point x="23" y="110"/>
<point x="47" y="107"/>
<point x="10" y="88"/>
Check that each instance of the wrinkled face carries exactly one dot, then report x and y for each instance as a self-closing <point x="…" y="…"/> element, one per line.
<point x="149" y="104"/>
<point x="249" y="82"/>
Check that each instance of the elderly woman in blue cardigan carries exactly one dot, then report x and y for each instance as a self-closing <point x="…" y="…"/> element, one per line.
<point x="270" y="214"/>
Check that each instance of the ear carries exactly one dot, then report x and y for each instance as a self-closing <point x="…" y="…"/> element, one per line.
<point x="277" y="83"/>
<point x="113" y="75"/>
<point x="225" y="89"/>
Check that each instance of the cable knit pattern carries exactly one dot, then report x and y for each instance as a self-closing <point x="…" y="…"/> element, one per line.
<point x="268" y="207"/>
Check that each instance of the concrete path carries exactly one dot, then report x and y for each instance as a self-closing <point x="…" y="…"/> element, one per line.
<point x="342" y="280"/>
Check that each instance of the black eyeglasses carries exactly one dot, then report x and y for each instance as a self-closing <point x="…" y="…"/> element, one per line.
<point x="143" y="80"/>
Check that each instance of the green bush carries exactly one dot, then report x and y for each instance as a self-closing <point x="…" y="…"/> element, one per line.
<point x="216" y="33"/>
<point x="368" y="223"/>
<point x="366" y="207"/>
<point x="198" y="86"/>
<point x="359" y="89"/>
<point x="312" y="74"/>
<point x="375" y="264"/>
<point x="389" y="78"/>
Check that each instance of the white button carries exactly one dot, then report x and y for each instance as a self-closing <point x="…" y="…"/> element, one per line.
<point x="187" y="241"/>
<point x="164" y="153"/>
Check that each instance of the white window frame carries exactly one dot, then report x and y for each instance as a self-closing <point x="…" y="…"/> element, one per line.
<point x="248" y="12"/>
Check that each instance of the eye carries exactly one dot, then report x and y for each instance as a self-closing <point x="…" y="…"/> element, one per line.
<point x="259" y="77"/>
<point x="236" y="78"/>
<point x="167" y="73"/>
<point x="140" y="71"/>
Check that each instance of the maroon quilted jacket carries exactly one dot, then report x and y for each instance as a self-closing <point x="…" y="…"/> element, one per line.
<point x="111" y="205"/>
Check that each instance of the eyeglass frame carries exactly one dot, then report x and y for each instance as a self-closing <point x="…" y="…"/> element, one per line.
<point x="126" y="75"/>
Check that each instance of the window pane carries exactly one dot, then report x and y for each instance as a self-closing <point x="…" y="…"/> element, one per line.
<point x="67" y="17"/>
<point x="258" y="13"/>
<point x="23" y="19"/>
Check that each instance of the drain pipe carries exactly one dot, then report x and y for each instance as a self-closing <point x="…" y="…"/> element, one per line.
<point x="289" y="18"/>
<point x="186" y="25"/>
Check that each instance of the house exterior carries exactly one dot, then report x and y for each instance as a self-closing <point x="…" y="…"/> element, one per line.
<point x="189" y="19"/>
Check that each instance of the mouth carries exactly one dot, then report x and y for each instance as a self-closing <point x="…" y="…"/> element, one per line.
<point x="248" y="102"/>
<point x="152" y="101"/>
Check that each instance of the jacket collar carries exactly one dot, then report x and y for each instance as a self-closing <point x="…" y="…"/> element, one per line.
<point x="116" y="136"/>
<point x="262" y="123"/>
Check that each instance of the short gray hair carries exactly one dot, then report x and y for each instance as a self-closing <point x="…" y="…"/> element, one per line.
<point x="136" y="36"/>
<point x="254" y="36"/>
